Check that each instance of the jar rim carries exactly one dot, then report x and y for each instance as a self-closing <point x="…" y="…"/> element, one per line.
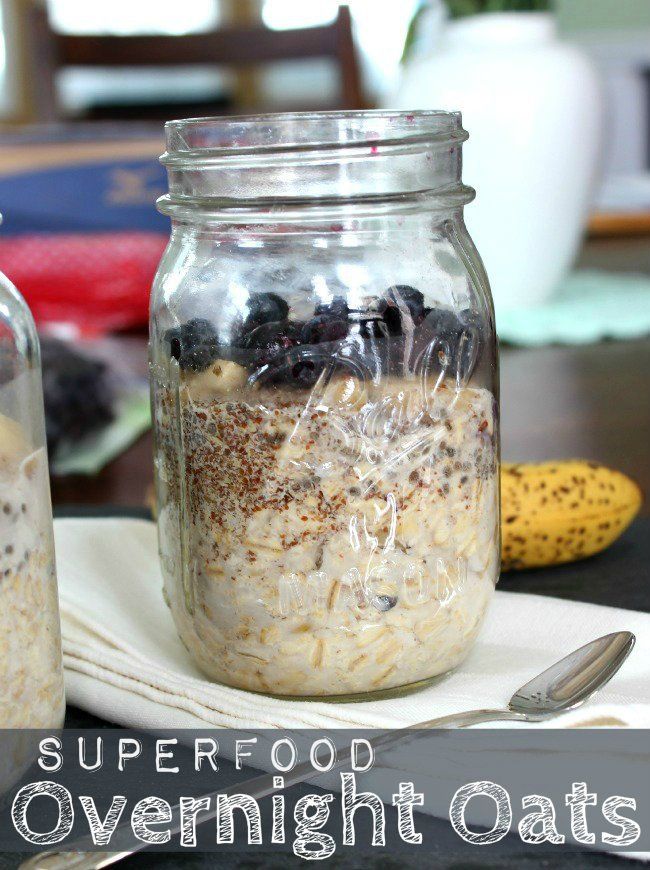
<point x="230" y="137"/>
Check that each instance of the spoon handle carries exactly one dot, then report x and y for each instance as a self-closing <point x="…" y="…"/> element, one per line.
<point x="474" y="717"/>
<point x="73" y="860"/>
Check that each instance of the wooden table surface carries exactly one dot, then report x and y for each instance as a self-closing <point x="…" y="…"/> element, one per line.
<point x="591" y="401"/>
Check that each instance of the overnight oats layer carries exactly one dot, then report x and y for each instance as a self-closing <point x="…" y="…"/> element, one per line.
<point x="31" y="676"/>
<point x="332" y="538"/>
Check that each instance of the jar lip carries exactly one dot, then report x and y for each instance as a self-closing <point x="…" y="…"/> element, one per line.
<point x="227" y="137"/>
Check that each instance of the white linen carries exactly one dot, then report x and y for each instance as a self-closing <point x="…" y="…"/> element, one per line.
<point x="125" y="663"/>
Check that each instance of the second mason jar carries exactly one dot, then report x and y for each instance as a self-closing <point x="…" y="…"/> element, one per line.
<point x="324" y="382"/>
<point x="31" y="668"/>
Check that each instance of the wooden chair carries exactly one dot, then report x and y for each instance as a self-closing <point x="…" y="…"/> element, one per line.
<point x="234" y="46"/>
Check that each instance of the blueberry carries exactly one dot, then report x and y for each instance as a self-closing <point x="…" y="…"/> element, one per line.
<point x="412" y="298"/>
<point x="270" y="351"/>
<point x="370" y="336"/>
<point x="461" y="333"/>
<point x="336" y="309"/>
<point x="265" y="308"/>
<point x="305" y="372"/>
<point x="199" y="357"/>
<point x="271" y="336"/>
<point x="384" y="602"/>
<point x="233" y="353"/>
<point x="292" y="370"/>
<point x="198" y="331"/>
<point x="322" y="328"/>
<point x="270" y="341"/>
<point x="78" y="392"/>
<point x="194" y="344"/>
<point x="442" y="323"/>
<point x="402" y="305"/>
<point x="372" y="328"/>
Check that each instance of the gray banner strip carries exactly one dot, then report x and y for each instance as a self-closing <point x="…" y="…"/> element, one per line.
<point x="315" y="793"/>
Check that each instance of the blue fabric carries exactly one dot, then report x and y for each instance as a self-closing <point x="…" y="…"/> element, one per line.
<point x="588" y="307"/>
<point x="88" y="197"/>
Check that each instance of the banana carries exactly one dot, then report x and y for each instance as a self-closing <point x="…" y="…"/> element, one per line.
<point x="562" y="511"/>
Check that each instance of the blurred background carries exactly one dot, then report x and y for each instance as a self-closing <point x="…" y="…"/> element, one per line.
<point x="556" y="97"/>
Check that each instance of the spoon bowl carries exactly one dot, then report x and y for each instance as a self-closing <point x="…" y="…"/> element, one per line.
<point x="572" y="680"/>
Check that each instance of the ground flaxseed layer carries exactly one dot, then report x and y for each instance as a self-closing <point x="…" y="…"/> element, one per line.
<point x="337" y="541"/>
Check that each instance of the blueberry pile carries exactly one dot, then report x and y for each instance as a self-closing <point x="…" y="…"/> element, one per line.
<point x="296" y="353"/>
<point x="77" y="391"/>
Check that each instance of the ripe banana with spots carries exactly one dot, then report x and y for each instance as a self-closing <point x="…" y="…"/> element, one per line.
<point x="562" y="511"/>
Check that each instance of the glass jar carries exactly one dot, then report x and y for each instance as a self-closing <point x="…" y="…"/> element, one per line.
<point x="31" y="671"/>
<point x="324" y="377"/>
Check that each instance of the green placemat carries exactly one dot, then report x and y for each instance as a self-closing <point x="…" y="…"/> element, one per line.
<point x="588" y="307"/>
<point x="132" y="418"/>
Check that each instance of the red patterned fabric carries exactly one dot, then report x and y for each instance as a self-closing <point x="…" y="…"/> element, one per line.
<point x="93" y="283"/>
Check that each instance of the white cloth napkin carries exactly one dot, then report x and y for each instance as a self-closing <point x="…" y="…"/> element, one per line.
<point x="125" y="663"/>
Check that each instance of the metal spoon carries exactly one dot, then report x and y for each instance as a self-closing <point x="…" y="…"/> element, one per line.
<point x="564" y="686"/>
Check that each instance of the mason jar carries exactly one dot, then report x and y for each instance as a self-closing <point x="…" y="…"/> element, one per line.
<point x="31" y="672"/>
<point x="325" y="402"/>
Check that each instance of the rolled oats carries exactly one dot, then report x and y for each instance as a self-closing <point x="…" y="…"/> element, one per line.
<point x="336" y="548"/>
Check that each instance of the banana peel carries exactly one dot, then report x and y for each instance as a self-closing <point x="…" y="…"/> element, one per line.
<point x="556" y="512"/>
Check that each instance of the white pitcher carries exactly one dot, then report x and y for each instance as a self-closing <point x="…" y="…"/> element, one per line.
<point x="532" y="106"/>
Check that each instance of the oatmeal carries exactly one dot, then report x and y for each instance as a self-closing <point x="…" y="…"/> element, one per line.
<point x="325" y="401"/>
<point x="330" y="541"/>
<point x="31" y="677"/>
